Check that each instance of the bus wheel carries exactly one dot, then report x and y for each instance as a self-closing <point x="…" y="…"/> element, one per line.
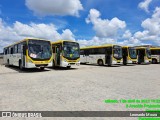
<point x="154" y="61"/>
<point x="68" y="67"/>
<point x="100" y="62"/>
<point x="124" y="63"/>
<point x="8" y="62"/>
<point x="41" y="68"/>
<point x="53" y="64"/>
<point x="20" y="65"/>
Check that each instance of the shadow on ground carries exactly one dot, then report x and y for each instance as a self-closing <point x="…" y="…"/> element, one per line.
<point x="28" y="70"/>
<point x="116" y="65"/>
<point x="62" y="68"/>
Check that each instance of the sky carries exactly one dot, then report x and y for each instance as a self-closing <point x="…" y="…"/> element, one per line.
<point x="89" y="22"/>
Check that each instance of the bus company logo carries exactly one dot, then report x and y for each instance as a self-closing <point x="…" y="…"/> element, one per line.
<point x="6" y="114"/>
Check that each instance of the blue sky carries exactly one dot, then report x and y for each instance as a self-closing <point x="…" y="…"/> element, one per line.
<point x="90" y="22"/>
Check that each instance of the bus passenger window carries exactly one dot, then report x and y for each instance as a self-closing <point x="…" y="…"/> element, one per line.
<point x="11" y="50"/>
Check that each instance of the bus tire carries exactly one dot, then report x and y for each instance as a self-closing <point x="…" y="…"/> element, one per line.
<point x="100" y="62"/>
<point x="8" y="62"/>
<point x="53" y="64"/>
<point x="109" y="65"/>
<point x="124" y="63"/>
<point x="20" y="65"/>
<point x="154" y="61"/>
<point x="68" y="67"/>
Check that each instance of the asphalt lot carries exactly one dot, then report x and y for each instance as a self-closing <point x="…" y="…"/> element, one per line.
<point x="82" y="88"/>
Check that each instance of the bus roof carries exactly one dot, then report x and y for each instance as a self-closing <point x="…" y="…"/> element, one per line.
<point x="141" y="47"/>
<point x="61" y="41"/>
<point x="101" y="46"/>
<point x="155" y="48"/>
<point x="25" y="40"/>
<point x="128" y="46"/>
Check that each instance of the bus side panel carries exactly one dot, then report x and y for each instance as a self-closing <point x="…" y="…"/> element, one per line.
<point x="83" y="58"/>
<point x="16" y="58"/>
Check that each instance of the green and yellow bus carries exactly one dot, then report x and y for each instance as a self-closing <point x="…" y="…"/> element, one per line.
<point x="129" y="55"/>
<point x="66" y="53"/>
<point x="101" y="55"/>
<point x="29" y="53"/>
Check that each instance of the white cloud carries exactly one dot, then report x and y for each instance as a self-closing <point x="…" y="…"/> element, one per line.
<point x="20" y="31"/>
<point x="144" y="5"/>
<point x="55" y="7"/>
<point x="127" y="34"/>
<point x="151" y="27"/>
<point x="96" y="41"/>
<point x="67" y="35"/>
<point x="104" y="28"/>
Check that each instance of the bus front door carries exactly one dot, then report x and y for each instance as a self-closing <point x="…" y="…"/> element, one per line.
<point x="57" y="57"/>
<point x="23" y="55"/>
<point x="141" y="54"/>
<point x="125" y="54"/>
<point x="108" y="57"/>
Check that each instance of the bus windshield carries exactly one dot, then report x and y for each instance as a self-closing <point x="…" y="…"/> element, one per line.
<point x="71" y="50"/>
<point x="148" y="53"/>
<point x="39" y="49"/>
<point x="132" y="53"/>
<point x="117" y="52"/>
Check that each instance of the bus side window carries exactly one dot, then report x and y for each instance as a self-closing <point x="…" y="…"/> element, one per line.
<point x="5" y="51"/>
<point x="81" y="52"/>
<point x="109" y="51"/>
<point x="11" y="50"/>
<point x="15" y="49"/>
<point x="19" y="48"/>
<point x="86" y="52"/>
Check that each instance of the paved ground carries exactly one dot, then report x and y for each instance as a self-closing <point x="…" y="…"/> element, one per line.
<point x="1" y="61"/>
<point x="82" y="88"/>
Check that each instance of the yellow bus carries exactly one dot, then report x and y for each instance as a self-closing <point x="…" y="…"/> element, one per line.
<point x="129" y="55"/>
<point x="101" y="55"/>
<point x="29" y="53"/>
<point x="155" y="54"/>
<point x="144" y="55"/>
<point x="66" y="53"/>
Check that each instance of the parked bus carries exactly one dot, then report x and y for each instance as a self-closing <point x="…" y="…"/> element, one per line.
<point x="101" y="55"/>
<point x="29" y="53"/>
<point x="155" y="55"/>
<point x="66" y="53"/>
<point x="129" y="55"/>
<point x="144" y="55"/>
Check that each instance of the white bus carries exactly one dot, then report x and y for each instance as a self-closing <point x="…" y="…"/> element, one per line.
<point x="66" y="53"/>
<point x="155" y="55"/>
<point x="101" y="55"/>
<point x="29" y="53"/>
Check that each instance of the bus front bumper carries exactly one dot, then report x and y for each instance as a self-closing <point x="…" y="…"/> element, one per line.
<point x="66" y="64"/>
<point x="131" y="61"/>
<point x="33" y="65"/>
<point x="117" y="62"/>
